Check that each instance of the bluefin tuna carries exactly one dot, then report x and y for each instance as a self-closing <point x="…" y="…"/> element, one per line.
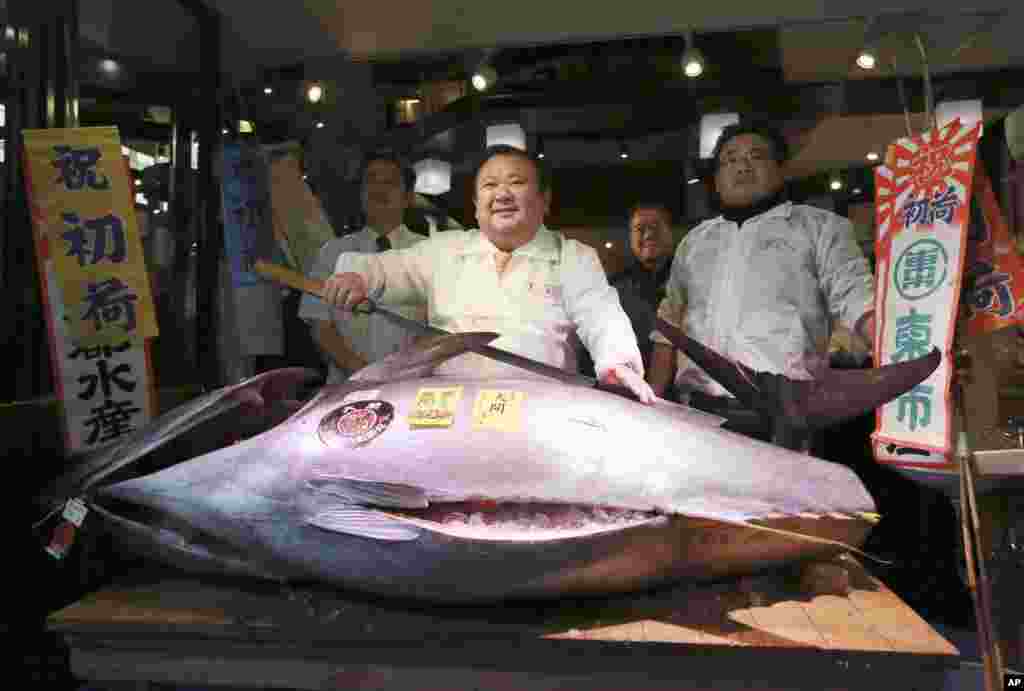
<point x="406" y="484"/>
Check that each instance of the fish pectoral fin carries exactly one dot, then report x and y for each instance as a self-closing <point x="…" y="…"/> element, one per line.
<point x="385" y="494"/>
<point x="363" y="522"/>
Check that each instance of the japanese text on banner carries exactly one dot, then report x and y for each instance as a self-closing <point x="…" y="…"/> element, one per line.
<point x="993" y="264"/>
<point x="82" y="205"/>
<point x="922" y="207"/>
<point x="106" y="391"/>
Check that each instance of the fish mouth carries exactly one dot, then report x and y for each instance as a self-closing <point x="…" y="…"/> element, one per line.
<point x="522" y="521"/>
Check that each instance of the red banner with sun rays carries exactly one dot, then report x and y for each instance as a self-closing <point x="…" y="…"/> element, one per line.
<point x="922" y="203"/>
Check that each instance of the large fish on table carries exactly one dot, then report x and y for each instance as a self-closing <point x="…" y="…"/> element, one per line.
<point x="532" y="488"/>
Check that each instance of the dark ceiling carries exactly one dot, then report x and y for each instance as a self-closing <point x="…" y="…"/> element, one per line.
<point x="582" y="100"/>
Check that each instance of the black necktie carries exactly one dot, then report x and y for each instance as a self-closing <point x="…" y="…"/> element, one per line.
<point x="383" y="244"/>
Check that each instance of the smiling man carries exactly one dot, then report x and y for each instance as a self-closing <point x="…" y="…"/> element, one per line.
<point x="764" y="281"/>
<point x="512" y="276"/>
<point x="641" y="287"/>
<point x="349" y="342"/>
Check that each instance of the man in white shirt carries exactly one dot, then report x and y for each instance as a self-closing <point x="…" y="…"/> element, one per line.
<point x="763" y="282"/>
<point x="350" y="341"/>
<point x="513" y="276"/>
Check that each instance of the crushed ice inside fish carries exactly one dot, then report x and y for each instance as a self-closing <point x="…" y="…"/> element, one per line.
<point x="526" y="521"/>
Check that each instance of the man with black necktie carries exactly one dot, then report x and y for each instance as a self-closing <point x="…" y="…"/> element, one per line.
<point x="351" y="341"/>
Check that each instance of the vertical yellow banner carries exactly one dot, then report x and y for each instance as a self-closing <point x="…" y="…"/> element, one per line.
<point x="82" y="205"/>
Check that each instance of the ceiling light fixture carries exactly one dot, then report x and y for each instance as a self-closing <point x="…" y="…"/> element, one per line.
<point x="872" y="156"/>
<point x="109" y="67"/>
<point x="711" y="126"/>
<point x="319" y="124"/>
<point x="507" y="134"/>
<point x="268" y="90"/>
<point x="693" y="181"/>
<point x="866" y="59"/>
<point x="315" y="93"/>
<point x="692" y="60"/>
<point x="969" y="112"/>
<point x="623" y="151"/>
<point x="607" y="245"/>
<point x="484" y="77"/>
<point x="836" y="183"/>
<point x="433" y="176"/>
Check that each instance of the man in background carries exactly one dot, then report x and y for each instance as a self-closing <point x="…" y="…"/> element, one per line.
<point x="351" y="341"/>
<point x="513" y="276"/>
<point x="762" y="283"/>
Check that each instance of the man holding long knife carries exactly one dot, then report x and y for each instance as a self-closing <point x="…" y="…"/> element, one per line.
<point x="513" y="276"/>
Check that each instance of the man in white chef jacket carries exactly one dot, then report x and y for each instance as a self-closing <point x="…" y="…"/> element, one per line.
<point x="512" y="276"/>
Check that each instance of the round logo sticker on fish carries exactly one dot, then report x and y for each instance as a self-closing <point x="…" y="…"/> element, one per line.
<point x="357" y="423"/>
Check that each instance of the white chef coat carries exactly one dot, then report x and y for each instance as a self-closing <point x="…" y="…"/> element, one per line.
<point x="767" y="293"/>
<point x="552" y="294"/>
<point x="372" y="336"/>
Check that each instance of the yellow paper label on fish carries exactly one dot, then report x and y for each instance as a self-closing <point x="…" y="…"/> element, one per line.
<point x="435" y="407"/>
<point x="498" y="409"/>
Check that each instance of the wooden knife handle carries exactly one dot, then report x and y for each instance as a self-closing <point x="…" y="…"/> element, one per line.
<point x="289" y="277"/>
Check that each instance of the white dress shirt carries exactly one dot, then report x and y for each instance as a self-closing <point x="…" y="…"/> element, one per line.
<point x="371" y="336"/>
<point x="551" y="295"/>
<point x="766" y="293"/>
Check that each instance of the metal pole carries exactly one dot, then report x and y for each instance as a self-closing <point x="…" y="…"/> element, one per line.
<point x="43" y="93"/>
<point x="209" y="240"/>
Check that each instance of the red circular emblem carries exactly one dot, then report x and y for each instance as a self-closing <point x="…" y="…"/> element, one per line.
<point x="357" y="423"/>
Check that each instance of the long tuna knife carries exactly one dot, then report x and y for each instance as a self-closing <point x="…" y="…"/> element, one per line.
<point x="838" y="395"/>
<point x="296" y="280"/>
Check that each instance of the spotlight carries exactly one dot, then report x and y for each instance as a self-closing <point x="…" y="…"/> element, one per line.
<point x="693" y="181"/>
<point x="866" y="59"/>
<point x="109" y="67"/>
<point x="623" y="152"/>
<point x="315" y="93"/>
<point x="540" y="154"/>
<point x="484" y="77"/>
<point x="268" y="90"/>
<point x="836" y="183"/>
<point x="692" y="60"/>
<point x="872" y="156"/>
<point x="607" y="245"/>
<point x="319" y="124"/>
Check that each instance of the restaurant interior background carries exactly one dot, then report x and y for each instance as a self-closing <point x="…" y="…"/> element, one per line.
<point x="602" y="93"/>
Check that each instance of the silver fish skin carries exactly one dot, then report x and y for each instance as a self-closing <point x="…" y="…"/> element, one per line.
<point x="664" y="492"/>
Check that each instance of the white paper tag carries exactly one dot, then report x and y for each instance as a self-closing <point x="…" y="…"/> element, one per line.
<point x="75" y="511"/>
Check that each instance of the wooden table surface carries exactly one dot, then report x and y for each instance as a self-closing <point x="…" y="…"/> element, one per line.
<point x="828" y="625"/>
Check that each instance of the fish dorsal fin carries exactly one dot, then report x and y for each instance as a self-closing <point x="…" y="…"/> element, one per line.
<point x="383" y="494"/>
<point x="259" y="391"/>
<point x="363" y="522"/>
<point x="420" y="359"/>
